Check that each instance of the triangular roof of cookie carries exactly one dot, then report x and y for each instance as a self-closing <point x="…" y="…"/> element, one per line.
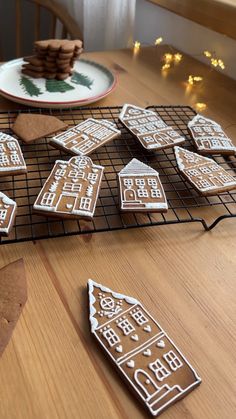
<point x="136" y="167"/>
<point x="92" y="311"/>
<point x="201" y="120"/>
<point x="6" y="200"/>
<point x="6" y="137"/>
<point x="179" y="154"/>
<point x="124" y="115"/>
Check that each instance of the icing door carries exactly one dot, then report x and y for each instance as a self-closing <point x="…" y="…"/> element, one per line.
<point x="145" y="383"/>
<point x="130" y="195"/>
<point x="66" y="203"/>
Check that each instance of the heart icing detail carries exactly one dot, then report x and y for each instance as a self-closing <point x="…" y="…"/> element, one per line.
<point x="147" y="328"/>
<point x="130" y="364"/>
<point x="69" y="206"/>
<point x="63" y="166"/>
<point x="74" y="180"/>
<point x="57" y="177"/>
<point x="147" y="352"/>
<point x="134" y="337"/>
<point x="119" y="349"/>
<point x="161" y="344"/>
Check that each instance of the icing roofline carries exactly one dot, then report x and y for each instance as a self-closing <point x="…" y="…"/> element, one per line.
<point x="91" y="285"/>
<point x="123" y="110"/>
<point x="196" y="117"/>
<point x="135" y="166"/>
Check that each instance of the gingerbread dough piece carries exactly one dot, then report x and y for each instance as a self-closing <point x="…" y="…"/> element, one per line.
<point x="31" y="127"/>
<point x="85" y="137"/>
<point x="71" y="190"/>
<point x="7" y="214"/>
<point x="204" y="174"/>
<point x="154" y="368"/>
<point x="141" y="189"/>
<point x="11" y="158"/>
<point x="13" y="296"/>
<point x="149" y="128"/>
<point x="209" y="137"/>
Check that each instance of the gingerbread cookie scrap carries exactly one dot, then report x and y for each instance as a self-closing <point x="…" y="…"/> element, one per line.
<point x="203" y="173"/>
<point x="85" y="137"/>
<point x="149" y="128"/>
<point x="11" y="158"/>
<point x="31" y="127"/>
<point x="71" y="190"/>
<point x="154" y="368"/>
<point x="141" y="189"/>
<point x="13" y="296"/>
<point x="209" y="137"/>
<point x="7" y="214"/>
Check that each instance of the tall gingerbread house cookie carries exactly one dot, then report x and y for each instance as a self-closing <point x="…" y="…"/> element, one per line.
<point x="86" y="137"/>
<point x="71" y="190"/>
<point x="209" y="137"/>
<point x="153" y="367"/>
<point x="7" y="214"/>
<point x="11" y="158"/>
<point x="203" y="173"/>
<point x="149" y="128"/>
<point x="141" y="189"/>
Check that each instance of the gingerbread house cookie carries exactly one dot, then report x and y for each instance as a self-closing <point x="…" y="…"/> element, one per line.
<point x="209" y="137"/>
<point x="141" y="189"/>
<point x="85" y="137"/>
<point x="203" y="173"/>
<point x="149" y="128"/>
<point x="11" y="158"/>
<point x="153" y="367"/>
<point x="7" y="214"/>
<point x="71" y="190"/>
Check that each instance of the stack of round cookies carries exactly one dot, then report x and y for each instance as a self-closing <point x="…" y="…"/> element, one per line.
<point x="53" y="59"/>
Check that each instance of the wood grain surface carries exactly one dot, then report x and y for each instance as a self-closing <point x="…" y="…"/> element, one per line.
<point x="185" y="277"/>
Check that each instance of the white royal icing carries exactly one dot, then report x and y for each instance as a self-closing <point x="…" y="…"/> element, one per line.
<point x="147" y="366"/>
<point x="140" y="188"/>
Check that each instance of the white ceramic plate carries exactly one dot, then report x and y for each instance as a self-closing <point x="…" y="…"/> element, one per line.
<point x="90" y="82"/>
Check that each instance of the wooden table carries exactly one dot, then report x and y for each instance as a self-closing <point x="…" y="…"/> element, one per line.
<point x="183" y="275"/>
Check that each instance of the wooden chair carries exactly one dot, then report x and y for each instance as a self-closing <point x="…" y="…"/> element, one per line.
<point x="39" y="11"/>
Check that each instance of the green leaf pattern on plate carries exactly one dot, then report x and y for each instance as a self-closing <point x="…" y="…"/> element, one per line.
<point x="82" y="79"/>
<point x="55" y="86"/>
<point x="29" y="87"/>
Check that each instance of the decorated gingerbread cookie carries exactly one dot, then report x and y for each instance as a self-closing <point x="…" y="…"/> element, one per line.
<point x="153" y="367"/>
<point x="209" y="137"/>
<point x="71" y="190"/>
<point x="11" y="158"/>
<point x="149" y="128"/>
<point x="7" y="214"/>
<point x="141" y="189"/>
<point x="13" y="296"/>
<point x="203" y="173"/>
<point x="85" y="137"/>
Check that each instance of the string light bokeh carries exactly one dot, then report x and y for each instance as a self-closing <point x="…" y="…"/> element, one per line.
<point x="170" y="60"/>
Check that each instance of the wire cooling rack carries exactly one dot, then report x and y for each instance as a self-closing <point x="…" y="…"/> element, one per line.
<point x="185" y="204"/>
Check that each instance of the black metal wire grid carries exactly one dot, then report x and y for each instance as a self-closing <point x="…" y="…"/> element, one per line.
<point x="185" y="204"/>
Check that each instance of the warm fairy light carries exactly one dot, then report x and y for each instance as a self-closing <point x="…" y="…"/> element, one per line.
<point x="137" y="45"/>
<point x="221" y="64"/>
<point x="166" y="66"/>
<point x="207" y="54"/>
<point x="194" y="79"/>
<point x="178" y="57"/>
<point x="214" y="62"/>
<point x="168" y="58"/>
<point x="200" y="106"/>
<point x="158" y="41"/>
